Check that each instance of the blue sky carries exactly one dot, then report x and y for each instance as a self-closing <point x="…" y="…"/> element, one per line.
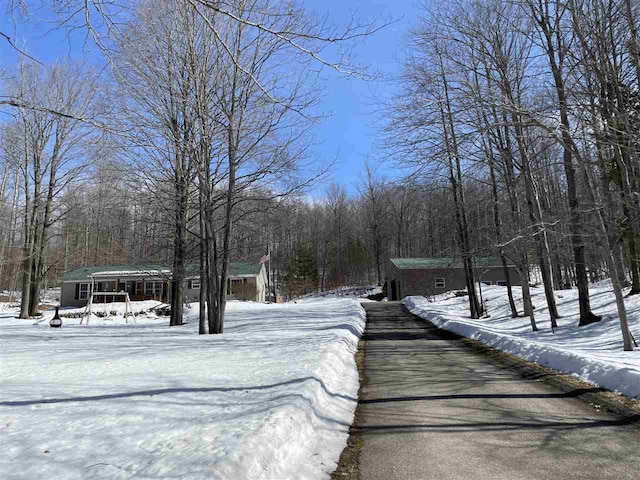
<point x="349" y="135"/>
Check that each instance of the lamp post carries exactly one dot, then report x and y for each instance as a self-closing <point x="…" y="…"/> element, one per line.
<point x="56" y="321"/>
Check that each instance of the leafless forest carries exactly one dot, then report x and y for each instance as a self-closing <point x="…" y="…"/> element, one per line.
<point x="514" y="134"/>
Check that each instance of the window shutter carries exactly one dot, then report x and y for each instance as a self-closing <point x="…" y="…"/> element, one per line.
<point x="190" y="284"/>
<point x="77" y="291"/>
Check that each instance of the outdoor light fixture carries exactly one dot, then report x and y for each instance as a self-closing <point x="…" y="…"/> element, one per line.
<point x="56" y="321"/>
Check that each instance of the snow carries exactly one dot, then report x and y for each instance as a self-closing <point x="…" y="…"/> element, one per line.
<point x="272" y="398"/>
<point x="356" y="292"/>
<point x="594" y="352"/>
<point x="124" y="273"/>
<point x="49" y="296"/>
<point x="114" y="311"/>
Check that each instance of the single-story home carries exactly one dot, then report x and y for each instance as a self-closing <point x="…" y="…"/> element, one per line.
<point x="247" y="281"/>
<point x="430" y="276"/>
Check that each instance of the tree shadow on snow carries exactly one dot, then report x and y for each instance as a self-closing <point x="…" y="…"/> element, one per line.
<point x="163" y="391"/>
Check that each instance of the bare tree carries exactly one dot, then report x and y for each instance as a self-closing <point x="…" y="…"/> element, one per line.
<point x="49" y="143"/>
<point x="374" y="197"/>
<point x="555" y="41"/>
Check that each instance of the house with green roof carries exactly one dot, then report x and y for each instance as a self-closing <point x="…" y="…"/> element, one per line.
<point x="109" y="283"/>
<point x="431" y="276"/>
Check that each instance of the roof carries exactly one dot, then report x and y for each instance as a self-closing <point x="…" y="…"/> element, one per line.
<point x="236" y="269"/>
<point x="443" y="262"/>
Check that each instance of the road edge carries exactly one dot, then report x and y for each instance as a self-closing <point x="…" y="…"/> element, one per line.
<point x="349" y="463"/>
<point x="599" y="399"/>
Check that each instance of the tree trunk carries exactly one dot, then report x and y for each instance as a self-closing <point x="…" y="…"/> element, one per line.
<point x="41" y="240"/>
<point x="523" y="257"/>
<point x="378" y="260"/>
<point x="455" y="180"/>
<point x="489" y="153"/>
<point x="228" y="226"/>
<point x="179" y="247"/>
<point x="542" y="245"/>
<point x="30" y="223"/>
<point x="204" y="279"/>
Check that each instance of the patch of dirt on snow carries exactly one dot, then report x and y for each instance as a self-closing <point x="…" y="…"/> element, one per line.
<point x="349" y="464"/>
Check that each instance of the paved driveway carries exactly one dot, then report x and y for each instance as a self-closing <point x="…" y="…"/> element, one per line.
<point x="434" y="409"/>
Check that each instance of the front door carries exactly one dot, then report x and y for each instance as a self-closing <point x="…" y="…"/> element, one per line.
<point x="393" y="290"/>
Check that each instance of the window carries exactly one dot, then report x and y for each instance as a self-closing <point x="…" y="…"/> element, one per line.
<point x="195" y="284"/>
<point x="106" y="286"/>
<point x="83" y="292"/>
<point x="153" y="289"/>
<point x="501" y="283"/>
<point x="440" y="283"/>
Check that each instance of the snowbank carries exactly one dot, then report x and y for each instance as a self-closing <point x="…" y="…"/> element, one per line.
<point x="272" y="398"/>
<point x="593" y="353"/>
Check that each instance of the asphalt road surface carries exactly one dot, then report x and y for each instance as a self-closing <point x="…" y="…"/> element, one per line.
<point x="435" y="409"/>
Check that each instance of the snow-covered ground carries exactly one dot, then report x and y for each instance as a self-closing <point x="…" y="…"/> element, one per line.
<point x="355" y="292"/>
<point x="594" y="352"/>
<point x="49" y="296"/>
<point x="115" y="311"/>
<point x="272" y="398"/>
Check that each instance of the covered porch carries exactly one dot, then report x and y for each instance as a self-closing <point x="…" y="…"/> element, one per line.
<point x="138" y="289"/>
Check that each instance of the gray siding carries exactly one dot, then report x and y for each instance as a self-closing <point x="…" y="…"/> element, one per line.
<point x="68" y="296"/>
<point x="254" y="288"/>
<point x="423" y="281"/>
<point x="191" y="294"/>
